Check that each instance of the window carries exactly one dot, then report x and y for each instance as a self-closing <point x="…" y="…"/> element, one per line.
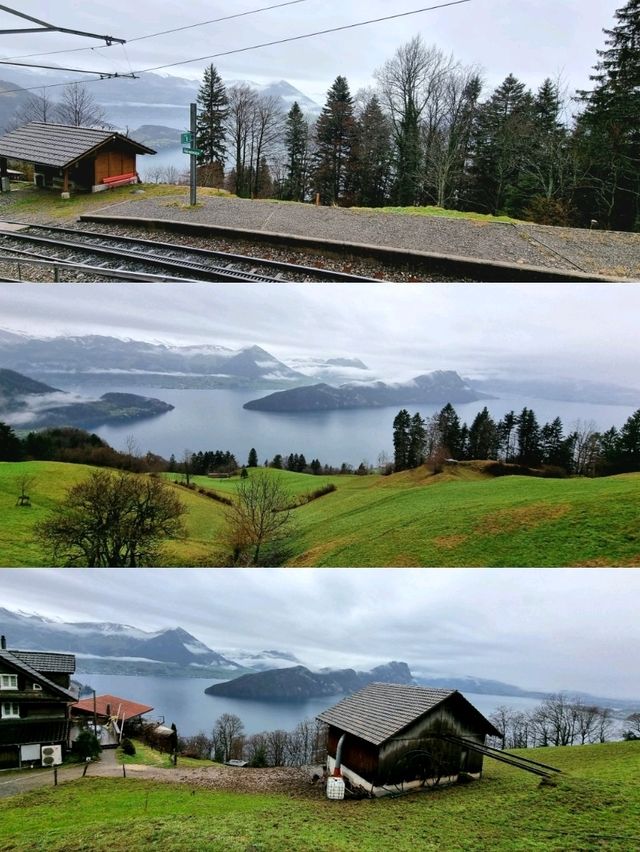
<point x="9" y="710"/>
<point x="36" y="687"/>
<point x="8" y="681"/>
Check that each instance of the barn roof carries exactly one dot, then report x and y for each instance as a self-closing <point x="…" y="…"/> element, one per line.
<point x="107" y="705"/>
<point x="16" y="661"/>
<point x="59" y="145"/>
<point x="379" y="711"/>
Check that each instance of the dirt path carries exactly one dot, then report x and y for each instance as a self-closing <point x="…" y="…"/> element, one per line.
<point x="296" y="782"/>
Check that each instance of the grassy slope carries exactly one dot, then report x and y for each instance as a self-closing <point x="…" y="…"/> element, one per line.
<point x="596" y="805"/>
<point x="461" y="518"/>
<point x="438" y="212"/>
<point x="48" y="203"/>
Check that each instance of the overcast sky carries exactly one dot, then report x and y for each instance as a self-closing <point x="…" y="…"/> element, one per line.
<point x="400" y="330"/>
<point x="533" y="40"/>
<point x="541" y="629"/>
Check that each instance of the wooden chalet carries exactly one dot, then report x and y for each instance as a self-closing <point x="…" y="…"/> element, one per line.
<point x="34" y="706"/>
<point x="391" y="736"/>
<point x="111" y="715"/>
<point x="73" y="158"/>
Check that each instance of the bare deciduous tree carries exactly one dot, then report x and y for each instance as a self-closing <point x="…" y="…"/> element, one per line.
<point x="228" y="737"/>
<point x="259" y="520"/>
<point x="113" y="520"/>
<point x="79" y="108"/>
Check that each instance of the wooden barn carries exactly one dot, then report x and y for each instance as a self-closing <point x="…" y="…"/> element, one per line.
<point x="113" y="717"/>
<point x="392" y="736"/>
<point x="73" y="158"/>
<point x="34" y="706"/>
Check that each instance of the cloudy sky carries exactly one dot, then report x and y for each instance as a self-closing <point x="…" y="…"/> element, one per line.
<point x="400" y="330"/>
<point x="533" y="40"/>
<point x="540" y="629"/>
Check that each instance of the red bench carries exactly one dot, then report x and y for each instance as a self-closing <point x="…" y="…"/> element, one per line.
<point x="120" y="180"/>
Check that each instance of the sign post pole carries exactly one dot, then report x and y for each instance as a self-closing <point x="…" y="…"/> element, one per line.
<point x="194" y="173"/>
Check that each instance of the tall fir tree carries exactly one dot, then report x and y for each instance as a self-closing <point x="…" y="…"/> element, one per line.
<point x="334" y="141"/>
<point x="296" y="140"/>
<point x="417" y="441"/>
<point x="210" y="128"/>
<point x="401" y="440"/>
<point x="609" y="127"/>
<point x="504" y="125"/>
<point x="450" y="431"/>
<point x="372" y="155"/>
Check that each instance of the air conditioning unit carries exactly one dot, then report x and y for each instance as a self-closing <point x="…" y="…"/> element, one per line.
<point x="51" y="755"/>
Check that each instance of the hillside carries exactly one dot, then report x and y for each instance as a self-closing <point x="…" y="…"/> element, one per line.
<point x="462" y="517"/>
<point x="299" y="683"/>
<point x="595" y="805"/>
<point x="440" y="386"/>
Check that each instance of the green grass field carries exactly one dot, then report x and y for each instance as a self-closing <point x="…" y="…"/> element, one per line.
<point x="460" y="518"/>
<point x="439" y="212"/>
<point x="595" y="805"/>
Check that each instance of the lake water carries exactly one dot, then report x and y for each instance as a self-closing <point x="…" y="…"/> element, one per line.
<point x="215" y="419"/>
<point x="183" y="701"/>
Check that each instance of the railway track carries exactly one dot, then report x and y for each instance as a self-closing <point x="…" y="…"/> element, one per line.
<point x="105" y="256"/>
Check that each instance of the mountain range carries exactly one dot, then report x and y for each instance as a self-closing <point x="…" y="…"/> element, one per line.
<point x="98" y="358"/>
<point x="113" y="648"/>
<point x="440" y="386"/>
<point x="151" y="99"/>
<point x="26" y="403"/>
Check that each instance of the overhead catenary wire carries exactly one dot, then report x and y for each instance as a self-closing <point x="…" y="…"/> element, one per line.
<point x="249" y="48"/>
<point x="174" y="30"/>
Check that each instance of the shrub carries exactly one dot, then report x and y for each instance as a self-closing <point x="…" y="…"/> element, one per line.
<point x="87" y="745"/>
<point x="128" y="747"/>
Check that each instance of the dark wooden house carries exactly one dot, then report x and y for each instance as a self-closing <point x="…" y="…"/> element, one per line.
<point x="69" y="158"/>
<point x="390" y="735"/>
<point x="34" y="705"/>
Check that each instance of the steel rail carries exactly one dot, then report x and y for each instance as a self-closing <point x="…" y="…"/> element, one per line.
<point x="35" y="259"/>
<point x="230" y="257"/>
<point x="209" y="273"/>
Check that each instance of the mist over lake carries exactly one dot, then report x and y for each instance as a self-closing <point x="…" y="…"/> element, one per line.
<point x="214" y="419"/>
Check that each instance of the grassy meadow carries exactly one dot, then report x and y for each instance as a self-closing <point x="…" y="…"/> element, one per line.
<point x="595" y="805"/>
<point x="462" y="517"/>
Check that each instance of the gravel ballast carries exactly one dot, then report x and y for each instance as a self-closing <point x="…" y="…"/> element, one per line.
<point x="606" y="253"/>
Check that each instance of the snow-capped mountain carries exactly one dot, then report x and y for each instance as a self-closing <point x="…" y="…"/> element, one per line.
<point x="333" y="370"/>
<point x="109" y="641"/>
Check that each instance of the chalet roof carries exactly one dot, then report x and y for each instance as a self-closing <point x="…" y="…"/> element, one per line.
<point x="59" y="145"/>
<point x="379" y="711"/>
<point x="45" y="661"/>
<point x="109" y="705"/>
<point x="15" y="661"/>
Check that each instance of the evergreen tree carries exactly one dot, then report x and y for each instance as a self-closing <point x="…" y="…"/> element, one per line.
<point x="528" y="434"/>
<point x="609" y="128"/>
<point x="555" y="449"/>
<point x="506" y="435"/>
<point x="417" y="441"/>
<point x="503" y="131"/>
<point x="483" y="437"/>
<point x="296" y="140"/>
<point x="334" y="140"/>
<point x="450" y="431"/>
<point x="10" y="446"/>
<point x="629" y="443"/>
<point x="210" y="127"/>
<point x="373" y="155"/>
<point x="252" y="461"/>
<point x="401" y="440"/>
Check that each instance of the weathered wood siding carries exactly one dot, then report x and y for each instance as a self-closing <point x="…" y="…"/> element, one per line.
<point x="357" y="754"/>
<point x="113" y="161"/>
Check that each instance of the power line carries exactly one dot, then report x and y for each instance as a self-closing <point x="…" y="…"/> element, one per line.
<point x="102" y="74"/>
<point x="264" y="44"/>
<point x="167" y="32"/>
<point x="45" y="27"/>
<point x="305" y="35"/>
